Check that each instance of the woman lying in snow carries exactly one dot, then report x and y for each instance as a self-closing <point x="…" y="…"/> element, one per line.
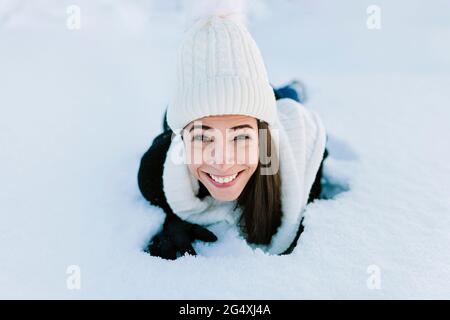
<point x="233" y="148"/>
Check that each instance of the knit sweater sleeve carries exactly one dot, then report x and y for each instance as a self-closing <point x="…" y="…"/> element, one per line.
<point x="151" y="171"/>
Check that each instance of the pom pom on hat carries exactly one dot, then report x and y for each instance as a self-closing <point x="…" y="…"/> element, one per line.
<point x="204" y="9"/>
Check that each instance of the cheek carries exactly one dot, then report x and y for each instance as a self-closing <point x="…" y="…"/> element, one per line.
<point x="194" y="159"/>
<point x="193" y="169"/>
<point x="248" y="154"/>
<point x="194" y="155"/>
<point x="203" y="154"/>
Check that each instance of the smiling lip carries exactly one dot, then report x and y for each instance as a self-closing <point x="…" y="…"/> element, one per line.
<point x="223" y="185"/>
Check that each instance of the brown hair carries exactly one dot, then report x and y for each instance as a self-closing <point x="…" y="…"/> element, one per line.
<point x="260" y="201"/>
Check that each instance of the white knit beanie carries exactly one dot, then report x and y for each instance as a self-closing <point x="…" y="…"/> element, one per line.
<point x="220" y="71"/>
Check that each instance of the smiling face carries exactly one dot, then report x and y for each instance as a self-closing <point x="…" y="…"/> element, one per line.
<point x="223" y="153"/>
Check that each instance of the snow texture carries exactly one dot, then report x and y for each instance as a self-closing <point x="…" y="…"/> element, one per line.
<point x="79" y="107"/>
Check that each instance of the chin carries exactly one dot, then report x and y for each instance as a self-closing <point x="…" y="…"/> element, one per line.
<point x="225" y="197"/>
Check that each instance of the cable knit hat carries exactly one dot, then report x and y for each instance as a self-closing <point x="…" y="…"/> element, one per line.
<point x="220" y="71"/>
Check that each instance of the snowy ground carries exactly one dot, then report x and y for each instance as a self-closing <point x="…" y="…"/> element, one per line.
<point x="78" y="109"/>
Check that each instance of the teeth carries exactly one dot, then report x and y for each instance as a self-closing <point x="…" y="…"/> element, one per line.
<point x="223" y="179"/>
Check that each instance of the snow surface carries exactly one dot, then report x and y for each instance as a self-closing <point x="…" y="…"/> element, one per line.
<point x="79" y="108"/>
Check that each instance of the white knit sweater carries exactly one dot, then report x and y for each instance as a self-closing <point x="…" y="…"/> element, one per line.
<point x="301" y="148"/>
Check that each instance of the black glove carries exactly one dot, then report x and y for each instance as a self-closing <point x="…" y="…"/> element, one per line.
<point x="176" y="238"/>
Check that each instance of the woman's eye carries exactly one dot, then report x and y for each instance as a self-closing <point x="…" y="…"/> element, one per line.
<point x="202" y="138"/>
<point x="242" y="137"/>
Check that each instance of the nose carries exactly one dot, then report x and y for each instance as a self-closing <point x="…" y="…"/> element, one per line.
<point x="222" y="156"/>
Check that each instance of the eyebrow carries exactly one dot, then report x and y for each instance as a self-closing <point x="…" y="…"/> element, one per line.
<point x="242" y="126"/>
<point x="199" y="126"/>
<point x="203" y="127"/>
